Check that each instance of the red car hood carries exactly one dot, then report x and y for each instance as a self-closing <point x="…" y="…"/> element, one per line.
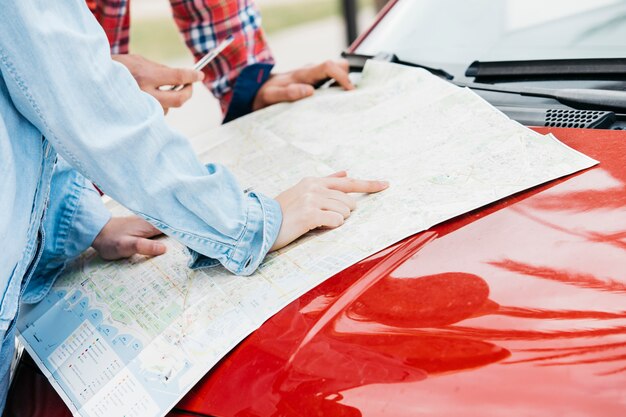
<point x="518" y="308"/>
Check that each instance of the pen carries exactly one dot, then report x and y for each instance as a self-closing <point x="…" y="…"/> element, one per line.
<point x="205" y="60"/>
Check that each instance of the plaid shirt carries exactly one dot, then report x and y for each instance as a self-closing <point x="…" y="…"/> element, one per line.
<point x="204" y="24"/>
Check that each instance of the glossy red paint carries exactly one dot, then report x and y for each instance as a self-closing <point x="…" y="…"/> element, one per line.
<point x="519" y="307"/>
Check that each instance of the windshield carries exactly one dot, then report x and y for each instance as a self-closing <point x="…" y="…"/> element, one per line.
<point x="451" y="34"/>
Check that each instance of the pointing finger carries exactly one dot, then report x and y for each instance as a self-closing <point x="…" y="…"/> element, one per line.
<point x="350" y="185"/>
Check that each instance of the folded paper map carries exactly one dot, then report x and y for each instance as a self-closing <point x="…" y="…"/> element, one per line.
<point x="130" y="338"/>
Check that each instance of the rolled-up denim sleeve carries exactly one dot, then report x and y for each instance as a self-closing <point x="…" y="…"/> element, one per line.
<point x="74" y="217"/>
<point x="55" y="60"/>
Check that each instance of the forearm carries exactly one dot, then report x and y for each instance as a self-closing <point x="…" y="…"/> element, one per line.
<point x="206" y="23"/>
<point x="74" y="217"/>
<point x="98" y="120"/>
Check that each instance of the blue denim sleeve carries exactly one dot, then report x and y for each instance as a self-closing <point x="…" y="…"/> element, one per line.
<point x="56" y="62"/>
<point x="248" y="84"/>
<point x="74" y="217"/>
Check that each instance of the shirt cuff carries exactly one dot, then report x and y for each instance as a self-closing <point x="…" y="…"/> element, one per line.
<point x="260" y="233"/>
<point x="248" y="84"/>
<point x="74" y="217"/>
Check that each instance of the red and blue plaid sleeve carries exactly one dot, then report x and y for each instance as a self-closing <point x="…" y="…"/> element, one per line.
<point x="114" y="17"/>
<point x="205" y="23"/>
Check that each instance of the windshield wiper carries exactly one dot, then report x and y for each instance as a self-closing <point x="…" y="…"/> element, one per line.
<point x="574" y="97"/>
<point x="557" y="69"/>
<point x="357" y="62"/>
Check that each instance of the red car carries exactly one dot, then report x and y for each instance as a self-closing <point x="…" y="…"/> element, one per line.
<point x="515" y="309"/>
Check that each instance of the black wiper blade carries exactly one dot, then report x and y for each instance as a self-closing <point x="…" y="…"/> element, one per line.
<point x="556" y="69"/>
<point x="357" y="62"/>
<point x="574" y="97"/>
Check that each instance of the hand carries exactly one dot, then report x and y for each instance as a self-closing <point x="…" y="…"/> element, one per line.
<point x="151" y="75"/>
<point x="319" y="202"/>
<point x="123" y="237"/>
<point x="298" y="84"/>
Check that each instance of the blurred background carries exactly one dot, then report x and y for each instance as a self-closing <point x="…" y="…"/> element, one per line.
<point x="299" y="32"/>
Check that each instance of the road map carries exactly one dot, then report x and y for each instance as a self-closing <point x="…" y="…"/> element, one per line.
<point x="130" y="338"/>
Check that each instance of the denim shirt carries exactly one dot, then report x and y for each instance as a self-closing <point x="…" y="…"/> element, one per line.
<point x="73" y="218"/>
<point x="61" y="92"/>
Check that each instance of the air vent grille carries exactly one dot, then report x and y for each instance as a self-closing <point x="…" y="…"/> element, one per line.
<point x="582" y="119"/>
